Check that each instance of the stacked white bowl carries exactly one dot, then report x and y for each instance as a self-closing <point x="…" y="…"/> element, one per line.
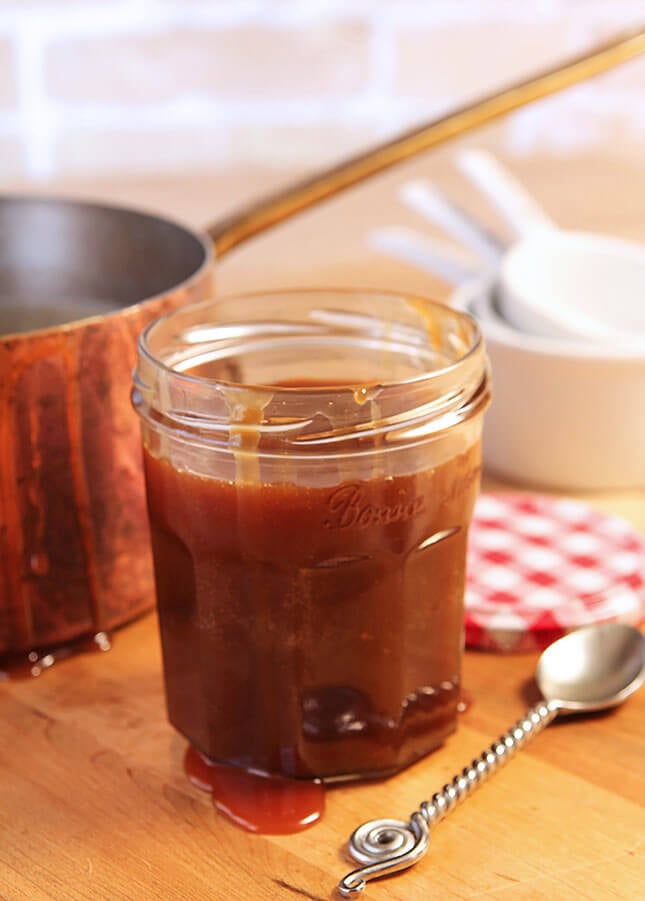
<point x="563" y="315"/>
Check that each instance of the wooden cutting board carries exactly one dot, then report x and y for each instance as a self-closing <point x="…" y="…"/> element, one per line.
<point x="94" y="803"/>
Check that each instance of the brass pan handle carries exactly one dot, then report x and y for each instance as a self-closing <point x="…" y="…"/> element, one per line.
<point x="262" y="214"/>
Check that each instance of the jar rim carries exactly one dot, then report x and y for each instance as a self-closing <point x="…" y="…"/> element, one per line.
<point x="291" y="390"/>
<point x="408" y="332"/>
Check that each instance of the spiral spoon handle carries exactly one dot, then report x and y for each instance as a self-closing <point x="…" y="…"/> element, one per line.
<point x="385" y="846"/>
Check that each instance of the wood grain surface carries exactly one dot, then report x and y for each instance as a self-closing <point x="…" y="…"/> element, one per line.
<point x="93" y="800"/>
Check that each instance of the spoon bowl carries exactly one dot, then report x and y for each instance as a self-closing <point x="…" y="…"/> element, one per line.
<point x="593" y="668"/>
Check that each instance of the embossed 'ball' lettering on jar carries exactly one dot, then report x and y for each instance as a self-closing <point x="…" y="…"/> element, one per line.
<point x="312" y="460"/>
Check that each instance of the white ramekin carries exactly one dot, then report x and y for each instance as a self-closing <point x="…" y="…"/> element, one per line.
<point x="565" y="414"/>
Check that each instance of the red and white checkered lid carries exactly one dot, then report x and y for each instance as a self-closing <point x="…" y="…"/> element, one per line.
<point x="539" y="567"/>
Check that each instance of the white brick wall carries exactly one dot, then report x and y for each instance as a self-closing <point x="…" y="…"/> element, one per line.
<point x="162" y="85"/>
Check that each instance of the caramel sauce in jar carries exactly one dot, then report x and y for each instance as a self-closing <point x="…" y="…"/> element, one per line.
<point x="312" y="461"/>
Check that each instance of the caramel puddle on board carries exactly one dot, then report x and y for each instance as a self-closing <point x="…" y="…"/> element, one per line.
<point x="271" y="805"/>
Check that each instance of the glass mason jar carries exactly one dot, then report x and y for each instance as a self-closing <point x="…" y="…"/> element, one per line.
<point x="312" y="460"/>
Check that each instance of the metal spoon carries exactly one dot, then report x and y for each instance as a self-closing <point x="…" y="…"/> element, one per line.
<point x="593" y="668"/>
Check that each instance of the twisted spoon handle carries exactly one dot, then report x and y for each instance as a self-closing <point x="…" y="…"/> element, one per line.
<point x="386" y="846"/>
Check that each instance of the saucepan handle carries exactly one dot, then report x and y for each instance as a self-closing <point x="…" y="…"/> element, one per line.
<point x="261" y="215"/>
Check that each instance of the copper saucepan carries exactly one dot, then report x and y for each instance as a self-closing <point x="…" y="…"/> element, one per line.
<point x="73" y="529"/>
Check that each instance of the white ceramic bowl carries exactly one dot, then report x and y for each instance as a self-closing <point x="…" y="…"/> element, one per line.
<point x="564" y="414"/>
